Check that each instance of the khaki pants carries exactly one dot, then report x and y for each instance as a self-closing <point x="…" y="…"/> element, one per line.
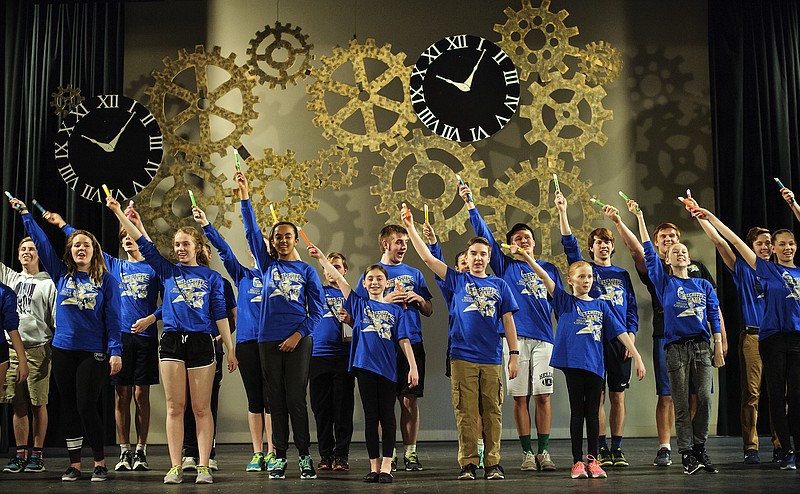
<point x="477" y="391"/>
<point x="751" y="370"/>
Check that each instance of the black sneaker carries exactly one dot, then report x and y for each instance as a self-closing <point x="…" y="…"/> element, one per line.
<point x="341" y="464"/>
<point x="394" y="463"/>
<point x="751" y="457"/>
<point x="467" y="472"/>
<point x="385" y="478"/>
<point x="125" y="463"/>
<point x="702" y="457"/>
<point x="412" y="462"/>
<point x="690" y="463"/>
<point x="71" y="474"/>
<point x="325" y="463"/>
<point x="777" y="455"/>
<point x="494" y="472"/>
<point x="371" y="478"/>
<point x="140" y="461"/>
<point x="100" y="474"/>
<point x="604" y="456"/>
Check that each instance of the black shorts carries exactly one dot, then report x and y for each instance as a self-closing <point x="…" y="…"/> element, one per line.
<point x="3" y="352"/>
<point x="618" y="368"/>
<point x="402" y="371"/>
<point x="195" y="350"/>
<point x="139" y="361"/>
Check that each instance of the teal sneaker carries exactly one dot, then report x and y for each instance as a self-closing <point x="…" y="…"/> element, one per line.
<point x="279" y="470"/>
<point x="270" y="460"/>
<point x="480" y="459"/>
<point x="16" y="465"/>
<point x="307" y="468"/>
<point x="256" y="463"/>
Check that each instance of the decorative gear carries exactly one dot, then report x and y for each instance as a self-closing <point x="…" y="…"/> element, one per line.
<point x="544" y="218"/>
<point x="556" y="34"/>
<point x="65" y="100"/>
<point x="201" y="102"/>
<point x="300" y="187"/>
<point x="334" y="168"/>
<point x="418" y="148"/>
<point x="292" y="49"/>
<point x="547" y="104"/>
<point x="171" y="209"/>
<point x="655" y="79"/>
<point x="365" y="97"/>
<point x="601" y="62"/>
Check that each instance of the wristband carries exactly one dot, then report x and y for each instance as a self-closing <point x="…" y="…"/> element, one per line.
<point x="513" y="352"/>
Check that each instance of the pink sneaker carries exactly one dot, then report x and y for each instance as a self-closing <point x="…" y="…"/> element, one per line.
<point x="579" y="471"/>
<point x="595" y="470"/>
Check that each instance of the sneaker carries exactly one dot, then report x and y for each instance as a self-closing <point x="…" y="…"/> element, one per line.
<point x="595" y="469"/>
<point x="618" y="457"/>
<point x="702" y="458"/>
<point x="212" y="465"/>
<point x="35" y="464"/>
<point x="341" y="464"/>
<point x="579" y="471"/>
<point x="777" y="455"/>
<point x="528" y="461"/>
<point x="16" y="465"/>
<point x="690" y="463"/>
<point x="307" y="468"/>
<point x="189" y="463"/>
<point x="125" y="463"/>
<point x="270" y="460"/>
<point x="494" y="472"/>
<point x="480" y="459"/>
<point x="203" y="475"/>
<point x="325" y="463"/>
<point x="256" y="463"/>
<point x="544" y="462"/>
<point x="99" y="474"/>
<point x="371" y="478"/>
<point x="789" y="460"/>
<point x="604" y="456"/>
<point x="140" y="461"/>
<point x="751" y="457"/>
<point x="71" y="474"/>
<point x="467" y="472"/>
<point x="385" y="478"/>
<point x="394" y="463"/>
<point x="663" y="458"/>
<point x="174" y="476"/>
<point x="279" y="470"/>
<point x="412" y="462"/>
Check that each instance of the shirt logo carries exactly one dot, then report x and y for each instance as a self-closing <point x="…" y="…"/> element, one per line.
<point x="24" y="292"/>
<point x="379" y="322"/>
<point x="533" y="285"/>
<point x="286" y="285"/>
<point x="134" y="285"/>
<point x="691" y="304"/>
<point x="611" y="289"/>
<point x="334" y="305"/>
<point x="403" y="282"/>
<point x="192" y="291"/>
<point x="81" y="294"/>
<point x="482" y="299"/>
<point x="255" y="291"/>
<point x="592" y="322"/>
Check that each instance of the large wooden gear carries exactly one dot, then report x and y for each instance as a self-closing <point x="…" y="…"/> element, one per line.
<point x="299" y="196"/>
<point x="363" y="98"/>
<point x="600" y="62"/>
<point x="290" y="43"/>
<point x="174" y="105"/>
<point x="418" y="148"/>
<point x="547" y="104"/>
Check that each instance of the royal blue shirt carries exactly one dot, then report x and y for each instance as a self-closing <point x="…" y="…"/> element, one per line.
<point x="750" y="291"/>
<point x="9" y="319"/>
<point x="533" y="319"/>
<point x="782" y="296"/>
<point x="690" y="304"/>
<point x="328" y="333"/>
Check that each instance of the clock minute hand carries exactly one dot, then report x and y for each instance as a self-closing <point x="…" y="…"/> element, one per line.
<point x="460" y="85"/>
<point x="113" y="142"/>
<point x="468" y="82"/>
<point x="105" y="147"/>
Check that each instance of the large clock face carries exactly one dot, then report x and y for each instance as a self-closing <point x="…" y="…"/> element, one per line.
<point x="110" y="140"/>
<point x="464" y="88"/>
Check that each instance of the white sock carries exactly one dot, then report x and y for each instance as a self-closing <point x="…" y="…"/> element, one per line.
<point x="480" y="444"/>
<point x="141" y="447"/>
<point x="410" y="448"/>
<point x="665" y="445"/>
<point x="124" y="447"/>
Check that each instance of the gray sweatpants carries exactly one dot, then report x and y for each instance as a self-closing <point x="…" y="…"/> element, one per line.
<point x="687" y="362"/>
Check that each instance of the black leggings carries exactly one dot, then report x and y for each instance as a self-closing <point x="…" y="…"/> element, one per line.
<point x="780" y="354"/>
<point x="250" y="369"/>
<point x="584" y="390"/>
<point x="80" y="377"/>
<point x="377" y="396"/>
<point x="332" y="401"/>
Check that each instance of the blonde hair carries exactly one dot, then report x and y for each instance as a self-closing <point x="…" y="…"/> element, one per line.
<point x="199" y="241"/>
<point x="576" y="266"/>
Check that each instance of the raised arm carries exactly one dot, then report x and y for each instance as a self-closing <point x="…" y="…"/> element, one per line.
<point x="561" y="205"/>
<point x="628" y="238"/>
<point x="549" y="283"/>
<point x="50" y="260"/>
<point x="255" y="240"/>
<point x="788" y="196"/>
<point x="724" y="249"/>
<point x="340" y="280"/>
<point x="126" y="223"/>
<point x="634" y="208"/>
<point x="438" y="267"/>
<point x="744" y="250"/>
<point x="133" y="215"/>
<point x="226" y="255"/>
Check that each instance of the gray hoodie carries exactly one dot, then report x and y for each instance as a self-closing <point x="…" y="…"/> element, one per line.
<point x="36" y="305"/>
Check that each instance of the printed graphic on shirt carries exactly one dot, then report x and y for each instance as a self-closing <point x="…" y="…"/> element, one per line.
<point x="483" y="299"/>
<point x="792" y="284"/>
<point x="191" y="291"/>
<point x="403" y="282"/>
<point x="134" y="285"/>
<point x="334" y="305"/>
<point x="286" y="285"/>
<point x="255" y="290"/>
<point x="613" y="290"/>
<point x="691" y="303"/>
<point x="759" y="288"/>
<point x="592" y="322"/>
<point x="533" y="285"/>
<point x="82" y="294"/>
<point x="24" y="296"/>
<point x="380" y="322"/>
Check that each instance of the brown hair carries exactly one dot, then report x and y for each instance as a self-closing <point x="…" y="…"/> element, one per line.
<point x="667" y="226"/>
<point x="199" y="242"/>
<point x="754" y="233"/>
<point x="478" y="240"/>
<point x="389" y="230"/>
<point x="602" y="233"/>
<point x="458" y="256"/>
<point x="26" y="239"/>
<point x="340" y="256"/>
<point x="378" y="267"/>
<point x="97" y="265"/>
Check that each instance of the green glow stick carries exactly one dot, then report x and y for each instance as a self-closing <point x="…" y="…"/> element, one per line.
<point x="555" y="182"/>
<point x="238" y="163"/>
<point x="191" y="196"/>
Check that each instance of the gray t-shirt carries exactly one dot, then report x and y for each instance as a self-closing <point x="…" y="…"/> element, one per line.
<point x="36" y="305"/>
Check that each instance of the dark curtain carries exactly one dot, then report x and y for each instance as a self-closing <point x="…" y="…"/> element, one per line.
<point x="48" y="45"/>
<point x="754" y="52"/>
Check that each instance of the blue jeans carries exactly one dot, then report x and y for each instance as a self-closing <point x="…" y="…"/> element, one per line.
<point x="689" y="362"/>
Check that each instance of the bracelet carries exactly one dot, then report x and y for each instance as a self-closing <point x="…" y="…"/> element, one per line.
<point x="513" y="352"/>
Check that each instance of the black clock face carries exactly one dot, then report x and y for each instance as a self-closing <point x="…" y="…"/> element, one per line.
<point x="464" y="88"/>
<point x="110" y="140"/>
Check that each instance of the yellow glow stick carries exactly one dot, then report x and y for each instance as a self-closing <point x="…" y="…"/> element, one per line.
<point x="555" y="182"/>
<point x="238" y="163"/>
<point x="105" y="189"/>
<point x="505" y="246"/>
<point x="191" y="196"/>
<point x="426" y="214"/>
<point x="274" y="214"/>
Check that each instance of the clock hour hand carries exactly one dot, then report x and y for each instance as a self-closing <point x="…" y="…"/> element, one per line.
<point x="460" y="85"/>
<point x="468" y="82"/>
<point x="105" y="147"/>
<point x="113" y="142"/>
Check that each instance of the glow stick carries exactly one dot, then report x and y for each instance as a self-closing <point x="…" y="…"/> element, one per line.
<point x="626" y="198"/>
<point x="596" y="202"/>
<point x="689" y="204"/>
<point x="105" y="189"/>
<point x="780" y="184"/>
<point x="130" y="205"/>
<point x="8" y="194"/>
<point x="274" y="214"/>
<point x="16" y="206"/>
<point x="191" y="196"/>
<point x="505" y="246"/>
<point x="426" y="214"/>
<point x="238" y="163"/>
<point x="404" y="210"/>
<point x="38" y="206"/>
<point x="555" y="182"/>
<point x="399" y="288"/>
<point x="688" y="193"/>
<point x="461" y="182"/>
<point x="303" y="234"/>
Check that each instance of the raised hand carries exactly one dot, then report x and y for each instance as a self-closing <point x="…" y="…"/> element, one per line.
<point x="54" y="219"/>
<point x="113" y="204"/>
<point x="560" y="201"/>
<point x="611" y="212"/>
<point x="430" y="235"/>
<point x="314" y="252"/>
<point x="18" y="205"/>
<point x="406" y="216"/>
<point x="465" y="192"/>
<point x="199" y="216"/>
<point x="241" y="182"/>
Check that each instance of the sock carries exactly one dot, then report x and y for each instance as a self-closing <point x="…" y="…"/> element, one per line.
<point x="410" y="448"/>
<point x="480" y="444"/>
<point x="542" y="443"/>
<point x="394" y="453"/>
<point x="141" y="447"/>
<point x="525" y="441"/>
<point x="124" y="447"/>
<point x="665" y="445"/>
<point x="616" y="443"/>
<point x="23" y="452"/>
<point x="37" y="452"/>
<point x="602" y="442"/>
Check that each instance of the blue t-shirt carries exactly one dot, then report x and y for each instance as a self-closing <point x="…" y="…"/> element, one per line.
<point x="377" y="329"/>
<point x="750" y="291"/>
<point x="87" y="314"/>
<point x="476" y="311"/>
<point x="410" y="280"/>
<point x="9" y="319"/>
<point x="328" y="333"/>
<point x="690" y="304"/>
<point x="582" y="327"/>
<point x="194" y="296"/>
<point x="782" y="296"/>
<point x="533" y="319"/>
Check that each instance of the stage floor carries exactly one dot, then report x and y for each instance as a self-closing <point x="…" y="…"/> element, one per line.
<point x="439" y="474"/>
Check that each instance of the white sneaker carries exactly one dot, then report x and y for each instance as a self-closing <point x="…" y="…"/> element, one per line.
<point x="528" y="461"/>
<point x="212" y="465"/>
<point x="189" y="463"/>
<point x="544" y="462"/>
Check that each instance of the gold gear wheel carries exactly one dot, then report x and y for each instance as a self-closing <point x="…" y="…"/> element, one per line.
<point x="418" y="148"/>
<point x="335" y="168"/>
<point x="556" y="34"/>
<point x="299" y="196"/>
<point x="65" y="100"/>
<point x="288" y="41"/>
<point x="547" y="104"/>
<point x="544" y="216"/>
<point x="201" y="103"/>
<point x="600" y="62"/>
<point x="364" y="97"/>
<point x="175" y="178"/>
